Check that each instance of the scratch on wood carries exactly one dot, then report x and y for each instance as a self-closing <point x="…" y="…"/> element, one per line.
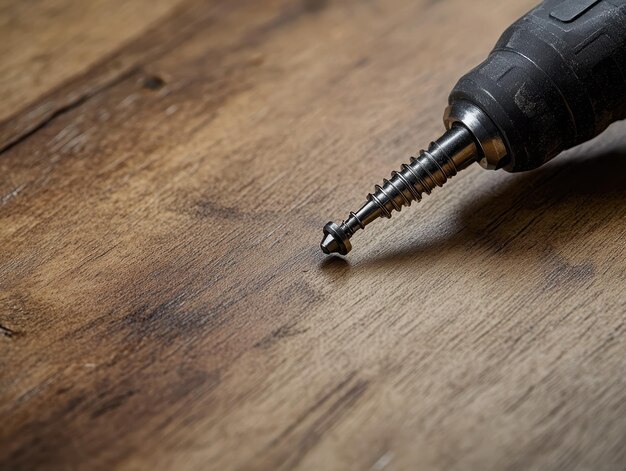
<point x="6" y="331"/>
<point x="78" y="101"/>
<point x="112" y="404"/>
<point x="4" y="199"/>
<point x="382" y="462"/>
<point x="315" y="431"/>
<point x="282" y="332"/>
<point x="312" y="409"/>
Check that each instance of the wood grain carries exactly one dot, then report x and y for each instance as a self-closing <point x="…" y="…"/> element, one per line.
<point x="163" y="300"/>
<point x="47" y="43"/>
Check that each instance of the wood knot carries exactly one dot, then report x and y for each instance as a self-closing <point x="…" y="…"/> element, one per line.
<point x="153" y="82"/>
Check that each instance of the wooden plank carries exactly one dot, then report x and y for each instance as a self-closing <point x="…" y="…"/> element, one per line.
<point x="46" y="44"/>
<point x="164" y="304"/>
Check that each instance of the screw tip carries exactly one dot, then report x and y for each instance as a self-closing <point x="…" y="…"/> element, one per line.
<point x="335" y="240"/>
<point x="329" y="245"/>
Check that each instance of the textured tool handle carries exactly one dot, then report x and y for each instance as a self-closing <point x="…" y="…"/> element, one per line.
<point x="556" y="78"/>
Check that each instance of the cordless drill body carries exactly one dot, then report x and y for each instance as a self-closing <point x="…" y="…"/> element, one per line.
<point x="555" y="79"/>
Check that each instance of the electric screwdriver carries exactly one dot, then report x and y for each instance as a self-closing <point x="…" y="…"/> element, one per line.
<point x="555" y="79"/>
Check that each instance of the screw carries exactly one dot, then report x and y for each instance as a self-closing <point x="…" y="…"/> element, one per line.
<point x="449" y="154"/>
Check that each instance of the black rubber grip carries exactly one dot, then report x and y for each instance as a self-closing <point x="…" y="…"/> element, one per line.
<point x="556" y="78"/>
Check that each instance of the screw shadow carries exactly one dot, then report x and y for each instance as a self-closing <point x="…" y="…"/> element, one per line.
<point x="580" y="191"/>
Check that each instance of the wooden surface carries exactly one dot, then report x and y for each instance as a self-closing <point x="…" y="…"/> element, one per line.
<point x="166" y="169"/>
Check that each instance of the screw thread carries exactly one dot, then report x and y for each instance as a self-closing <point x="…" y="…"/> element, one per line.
<point x="444" y="158"/>
<point x="422" y="175"/>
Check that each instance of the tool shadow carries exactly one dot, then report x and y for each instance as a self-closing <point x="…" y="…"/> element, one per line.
<point x="580" y="191"/>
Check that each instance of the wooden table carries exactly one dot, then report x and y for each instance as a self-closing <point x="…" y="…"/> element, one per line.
<point x="166" y="169"/>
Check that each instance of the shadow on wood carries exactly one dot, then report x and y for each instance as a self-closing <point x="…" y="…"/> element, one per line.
<point x="580" y="191"/>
